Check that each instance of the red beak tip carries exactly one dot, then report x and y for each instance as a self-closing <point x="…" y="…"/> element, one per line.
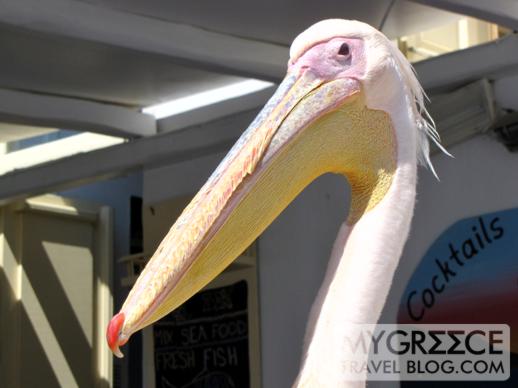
<point x="113" y="334"/>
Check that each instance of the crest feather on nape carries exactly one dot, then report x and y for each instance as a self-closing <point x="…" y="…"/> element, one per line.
<point x="331" y="28"/>
<point x="423" y="121"/>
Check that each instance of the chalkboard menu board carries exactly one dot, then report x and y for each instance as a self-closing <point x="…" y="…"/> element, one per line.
<point x="204" y="343"/>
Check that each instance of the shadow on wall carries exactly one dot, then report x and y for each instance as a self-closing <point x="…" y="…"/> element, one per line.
<point x="44" y="343"/>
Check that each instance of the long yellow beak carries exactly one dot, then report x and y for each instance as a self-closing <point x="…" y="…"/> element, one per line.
<point x="301" y="133"/>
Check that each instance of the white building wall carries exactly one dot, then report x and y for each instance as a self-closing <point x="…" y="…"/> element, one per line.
<point x="482" y="178"/>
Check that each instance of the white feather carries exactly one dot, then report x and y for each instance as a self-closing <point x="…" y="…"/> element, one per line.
<point x="423" y="121"/>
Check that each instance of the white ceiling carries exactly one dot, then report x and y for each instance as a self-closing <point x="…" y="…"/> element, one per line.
<point x="63" y="66"/>
<point x="58" y="63"/>
<point x="138" y="53"/>
<point x="280" y="21"/>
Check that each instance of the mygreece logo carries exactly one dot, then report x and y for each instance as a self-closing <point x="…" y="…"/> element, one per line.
<point x="427" y="352"/>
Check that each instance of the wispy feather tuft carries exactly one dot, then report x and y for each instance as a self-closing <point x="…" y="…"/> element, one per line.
<point x="423" y="121"/>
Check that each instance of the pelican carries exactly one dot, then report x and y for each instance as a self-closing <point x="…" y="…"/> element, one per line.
<point x="349" y="104"/>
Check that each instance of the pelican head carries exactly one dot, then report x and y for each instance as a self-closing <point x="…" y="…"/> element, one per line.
<point x="349" y="104"/>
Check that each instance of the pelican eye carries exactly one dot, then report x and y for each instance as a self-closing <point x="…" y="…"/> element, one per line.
<point x="344" y="50"/>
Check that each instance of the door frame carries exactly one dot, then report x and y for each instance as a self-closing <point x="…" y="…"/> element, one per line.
<point x="10" y="237"/>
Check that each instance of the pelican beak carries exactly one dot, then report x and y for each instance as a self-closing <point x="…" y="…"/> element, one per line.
<point x="286" y="147"/>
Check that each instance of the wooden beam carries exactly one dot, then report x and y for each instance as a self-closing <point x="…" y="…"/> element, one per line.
<point x="449" y="71"/>
<point x="501" y="12"/>
<point x="216" y="111"/>
<point x="171" y="147"/>
<point x="183" y="43"/>
<point x="68" y="113"/>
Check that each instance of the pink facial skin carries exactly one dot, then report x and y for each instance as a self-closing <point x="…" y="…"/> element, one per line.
<point x="333" y="59"/>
